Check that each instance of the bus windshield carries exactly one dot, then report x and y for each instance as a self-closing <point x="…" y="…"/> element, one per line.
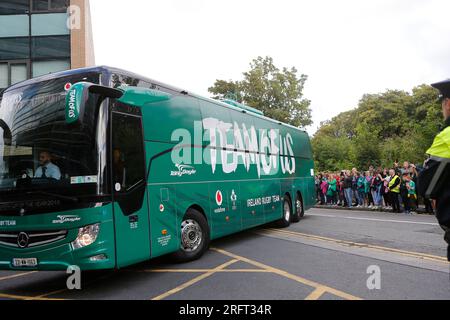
<point x="39" y="150"/>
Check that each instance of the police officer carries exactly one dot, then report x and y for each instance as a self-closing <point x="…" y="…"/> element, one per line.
<point x="434" y="180"/>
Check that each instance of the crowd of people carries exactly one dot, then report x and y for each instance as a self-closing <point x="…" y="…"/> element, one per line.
<point x="378" y="189"/>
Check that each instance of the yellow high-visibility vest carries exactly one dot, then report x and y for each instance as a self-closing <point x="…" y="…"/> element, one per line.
<point x="391" y="183"/>
<point x="441" y="145"/>
<point x="440" y="154"/>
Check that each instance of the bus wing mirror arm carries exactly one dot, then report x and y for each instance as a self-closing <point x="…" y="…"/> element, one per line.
<point x="106" y="91"/>
<point x="78" y="94"/>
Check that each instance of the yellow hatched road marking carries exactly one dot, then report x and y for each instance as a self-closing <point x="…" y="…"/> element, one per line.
<point x="17" y="297"/>
<point x="16" y="275"/>
<point x="316" y="294"/>
<point x="66" y="289"/>
<point x="288" y="275"/>
<point x="203" y="270"/>
<point x="194" y="281"/>
<point x="51" y="293"/>
<point x="419" y="255"/>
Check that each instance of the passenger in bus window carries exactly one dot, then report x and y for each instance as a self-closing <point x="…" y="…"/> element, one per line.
<point x="47" y="169"/>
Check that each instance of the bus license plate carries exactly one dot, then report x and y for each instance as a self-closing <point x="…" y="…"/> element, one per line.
<point x="28" y="262"/>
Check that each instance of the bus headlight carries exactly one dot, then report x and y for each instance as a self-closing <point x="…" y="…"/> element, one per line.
<point x="86" y="236"/>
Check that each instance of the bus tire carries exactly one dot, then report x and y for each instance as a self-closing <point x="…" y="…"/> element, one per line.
<point x="299" y="211"/>
<point x="194" y="235"/>
<point x="285" y="221"/>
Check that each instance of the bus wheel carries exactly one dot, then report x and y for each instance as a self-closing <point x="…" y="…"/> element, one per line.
<point x="287" y="214"/>
<point x="194" y="237"/>
<point x="299" y="213"/>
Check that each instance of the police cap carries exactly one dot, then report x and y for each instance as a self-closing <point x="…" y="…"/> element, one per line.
<point x="443" y="87"/>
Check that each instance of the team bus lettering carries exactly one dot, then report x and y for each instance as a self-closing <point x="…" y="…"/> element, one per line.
<point x="7" y="223"/>
<point x="72" y="94"/>
<point x="263" y="201"/>
<point x="232" y="145"/>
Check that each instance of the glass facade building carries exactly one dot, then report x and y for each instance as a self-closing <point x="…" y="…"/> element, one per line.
<point x="35" y="38"/>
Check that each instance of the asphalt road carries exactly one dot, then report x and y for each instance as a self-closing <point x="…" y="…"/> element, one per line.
<point x="325" y="256"/>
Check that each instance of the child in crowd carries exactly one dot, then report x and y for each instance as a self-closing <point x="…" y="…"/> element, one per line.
<point x="412" y="196"/>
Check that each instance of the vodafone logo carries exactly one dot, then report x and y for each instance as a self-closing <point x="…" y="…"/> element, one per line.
<point x="219" y="201"/>
<point x="67" y="86"/>
<point x="219" y="198"/>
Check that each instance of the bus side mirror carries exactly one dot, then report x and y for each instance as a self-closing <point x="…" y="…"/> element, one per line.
<point x="78" y="95"/>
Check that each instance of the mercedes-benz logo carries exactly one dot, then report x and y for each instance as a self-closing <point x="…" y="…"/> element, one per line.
<point x="22" y="240"/>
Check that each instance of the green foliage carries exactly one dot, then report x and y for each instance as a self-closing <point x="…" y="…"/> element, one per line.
<point x="222" y="88"/>
<point x="366" y="150"/>
<point x="332" y="153"/>
<point x="390" y="126"/>
<point x="278" y="93"/>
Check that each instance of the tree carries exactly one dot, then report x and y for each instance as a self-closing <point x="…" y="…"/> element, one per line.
<point x="278" y="93"/>
<point x="332" y="154"/>
<point x="223" y="89"/>
<point x="366" y="146"/>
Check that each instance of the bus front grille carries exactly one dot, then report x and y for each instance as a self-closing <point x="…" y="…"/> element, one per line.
<point x="29" y="239"/>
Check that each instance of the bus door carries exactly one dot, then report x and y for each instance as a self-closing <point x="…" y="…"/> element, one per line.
<point x="131" y="216"/>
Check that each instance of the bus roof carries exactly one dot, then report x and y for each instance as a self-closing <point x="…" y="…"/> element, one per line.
<point x="110" y="70"/>
<point x="99" y="69"/>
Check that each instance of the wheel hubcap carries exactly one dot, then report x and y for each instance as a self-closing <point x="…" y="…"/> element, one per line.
<point x="191" y="235"/>
<point x="287" y="211"/>
<point x="299" y="207"/>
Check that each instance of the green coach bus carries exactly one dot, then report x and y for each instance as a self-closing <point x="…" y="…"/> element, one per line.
<point x="101" y="168"/>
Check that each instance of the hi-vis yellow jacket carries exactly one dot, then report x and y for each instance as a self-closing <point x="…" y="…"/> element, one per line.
<point x="434" y="179"/>
<point x="393" y="181"/>
<point x="441" y="145"/>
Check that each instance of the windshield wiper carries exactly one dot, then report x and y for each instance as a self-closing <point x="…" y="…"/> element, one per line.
<point x="58" y="196"/>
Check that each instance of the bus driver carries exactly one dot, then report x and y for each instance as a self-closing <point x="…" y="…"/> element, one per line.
<point x="47" y="169"/>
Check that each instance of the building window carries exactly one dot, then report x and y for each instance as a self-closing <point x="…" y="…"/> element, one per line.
<point x="12" y="72"/>
<point x="59" y="4"/>
<point x="14" y="6"/>
<point x="4" y="75"/>
<point x="17" y="25"/>
<point x="45" y="67"/>
<point x="14" y="48"/>
<point x="19" y="72"/>
<point x="49" y="24"/>
<point x="49" y="5"/>
<point x="50" y="47"/>
<point x="41" y="5"/>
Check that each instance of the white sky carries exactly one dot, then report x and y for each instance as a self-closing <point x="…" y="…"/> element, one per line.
<point x="346" y="47"/>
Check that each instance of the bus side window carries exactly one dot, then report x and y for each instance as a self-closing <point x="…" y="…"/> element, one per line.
<point x="128" y="152"/>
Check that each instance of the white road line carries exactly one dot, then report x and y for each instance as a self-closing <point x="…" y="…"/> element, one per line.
<point x="372" y="219"/>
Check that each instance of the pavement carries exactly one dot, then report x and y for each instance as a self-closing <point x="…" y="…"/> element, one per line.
<point x="329" y="255"/>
